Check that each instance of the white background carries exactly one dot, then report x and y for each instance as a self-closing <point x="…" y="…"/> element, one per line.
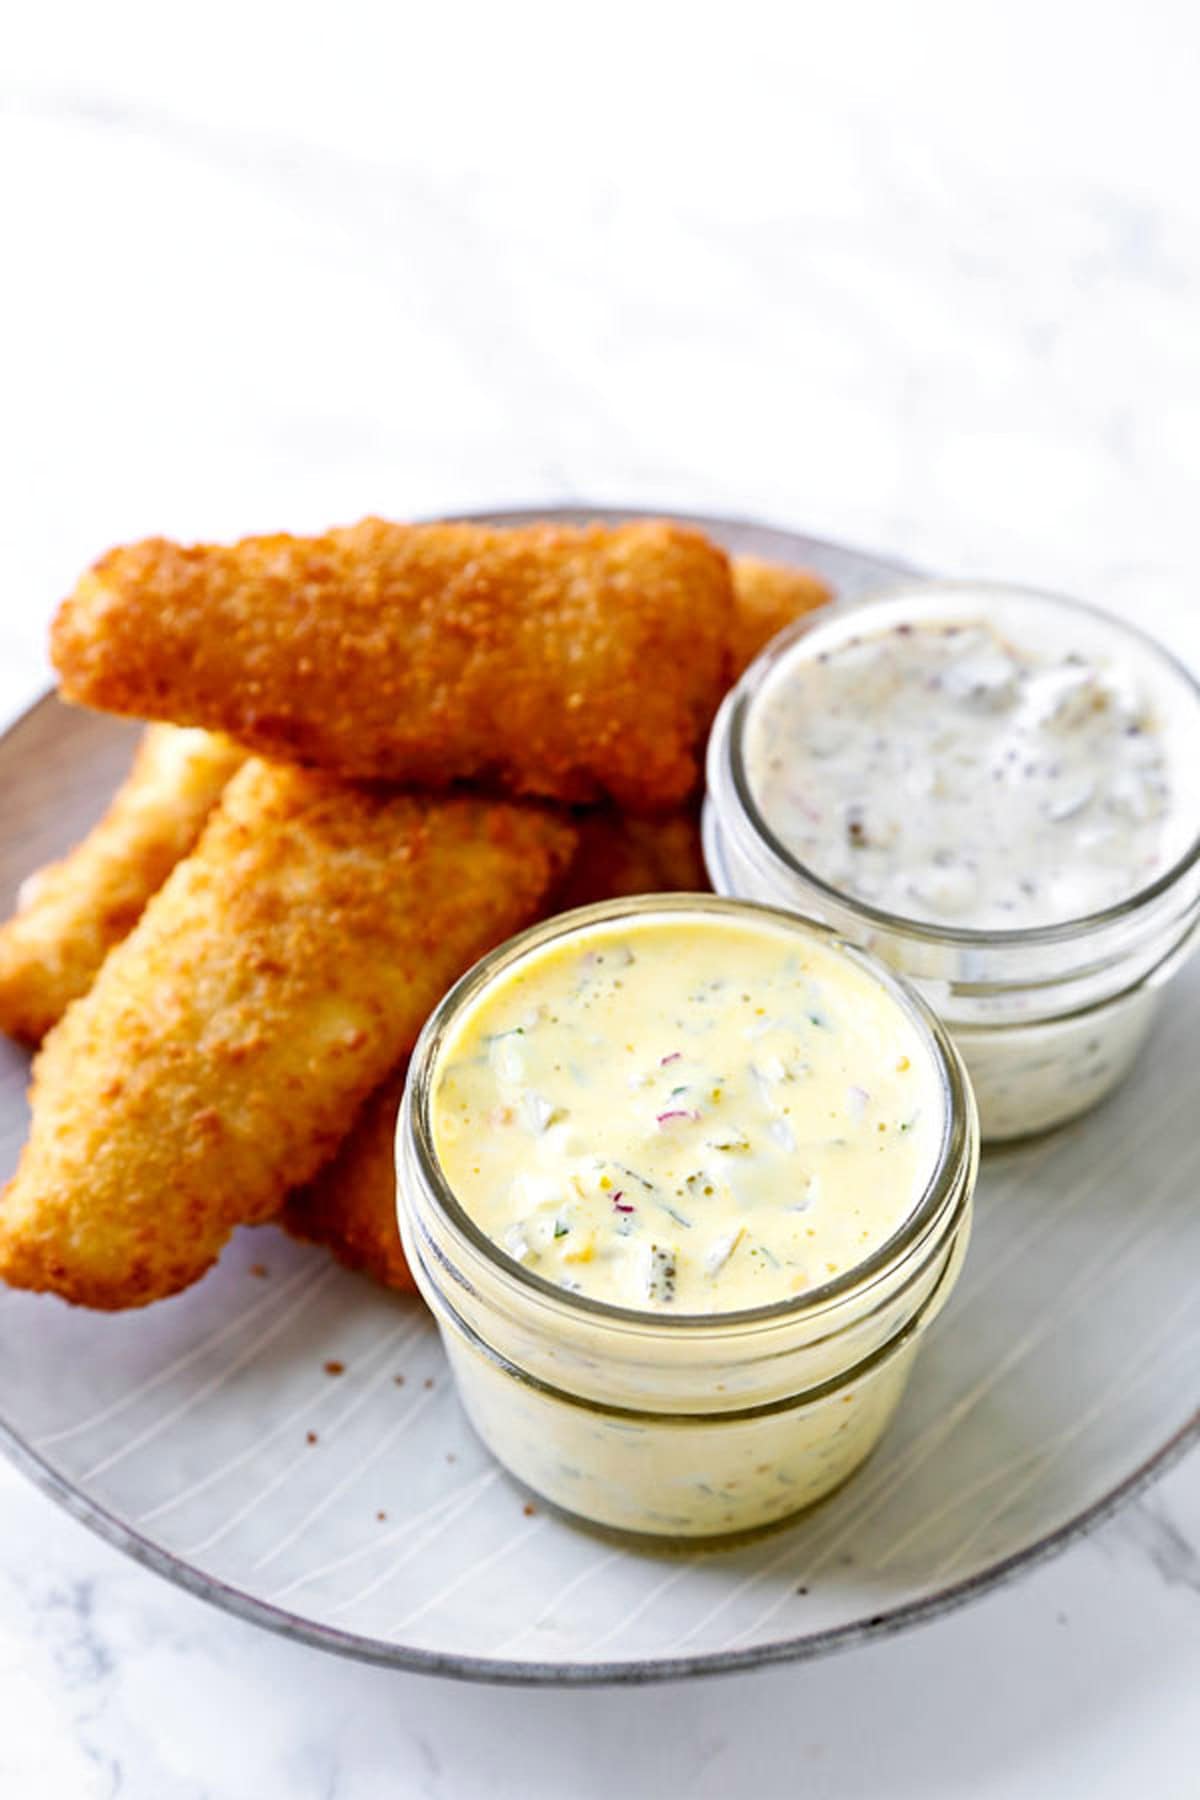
<point x="923" y="277"/>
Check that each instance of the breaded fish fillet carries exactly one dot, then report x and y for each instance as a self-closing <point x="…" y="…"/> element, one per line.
<point x="769" y="596"/>
<point x="351" y="1204"/>
<point x="548" y="660"/>
<point x="75" y="911"/>
<point x="619" y="855"/>
<point x="71" y="913"/>
<point x="283" y="970"/>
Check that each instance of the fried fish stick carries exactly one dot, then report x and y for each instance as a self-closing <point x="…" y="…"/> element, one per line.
<point x="351" y="1205"/>
<point x="555" y="661"/>
<point x="619" y="855"/>
<point x="769" y="596"/>
<point x="283" y="970"/>
<point x="75" y="911"/>
<point x="71" y="913"/>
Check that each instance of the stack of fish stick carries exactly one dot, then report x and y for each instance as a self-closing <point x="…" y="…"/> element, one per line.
<point x="371" y="756"/>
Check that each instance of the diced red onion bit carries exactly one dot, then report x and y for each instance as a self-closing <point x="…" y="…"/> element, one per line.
<point x="664" y="1118"/>
<point x="620" y="1204"/>
<point x="675" y="1056"/>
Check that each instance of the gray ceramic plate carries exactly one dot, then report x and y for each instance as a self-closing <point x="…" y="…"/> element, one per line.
<point x="1060" y="1378"/>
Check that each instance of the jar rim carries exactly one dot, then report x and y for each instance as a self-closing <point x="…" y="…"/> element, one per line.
<point x="728" y="740"/>
<point x="885" y="1351"/>
<point x="957" y="1148"/>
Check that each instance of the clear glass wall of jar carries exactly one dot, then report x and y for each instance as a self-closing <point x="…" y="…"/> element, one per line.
<point x="1047" y="1018"/>
<point x="686" y="1426"/>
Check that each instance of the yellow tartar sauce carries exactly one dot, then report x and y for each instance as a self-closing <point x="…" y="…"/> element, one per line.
<point x="687" y="1114"/>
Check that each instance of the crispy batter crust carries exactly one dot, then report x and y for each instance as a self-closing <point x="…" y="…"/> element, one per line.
<point x="76" y="910"/>
<point x="571" y="663"/>
<point x="72" y="912"/>
<point x="619" y="855"/>
<point x="769" y="596"/>
<point x="351" y="1204"/>
<point x="283" y="970"/>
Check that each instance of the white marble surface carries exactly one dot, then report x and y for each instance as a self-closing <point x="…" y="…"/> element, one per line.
<point x="925" y="278"/>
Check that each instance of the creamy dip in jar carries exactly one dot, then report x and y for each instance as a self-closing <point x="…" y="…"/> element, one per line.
<point x="690" y="1114"/>
<point x="683" y="1181"/>
<point x="992" y="789"/>
<point x="947" y="771"/>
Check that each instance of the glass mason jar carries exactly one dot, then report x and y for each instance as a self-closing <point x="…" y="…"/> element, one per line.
<point x="679" y="1425"/>
<point x="1049" y="1018"/>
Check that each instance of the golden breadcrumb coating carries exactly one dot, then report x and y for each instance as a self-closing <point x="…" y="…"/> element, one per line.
<point x="350" y="1206"/>
<point x="74" y="911"/>
<point x="71" y="913"/>
<point x="768" y="597"/>
<point x="283" y="970"/>
<point x="619" y="855"/>
<point x="549" y="660"/>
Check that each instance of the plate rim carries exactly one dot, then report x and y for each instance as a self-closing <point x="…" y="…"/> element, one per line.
<point x="636" y="1672"/>
<point x="642" y="1671"/>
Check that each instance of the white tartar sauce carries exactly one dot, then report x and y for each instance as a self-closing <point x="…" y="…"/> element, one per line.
<point x="943" y="772"/>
